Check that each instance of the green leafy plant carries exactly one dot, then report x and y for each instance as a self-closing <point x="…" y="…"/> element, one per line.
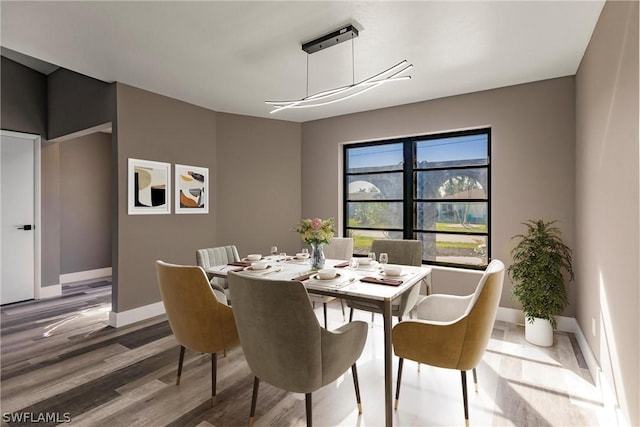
<point x="539" y="260"/>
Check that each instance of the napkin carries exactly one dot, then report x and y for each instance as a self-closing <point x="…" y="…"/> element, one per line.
<point x="303" y="277"/>
<point x="240" y="263"/>
<point x="235" y="270"/>
<point x="390" y="282"/>
<point x="342" y="264"/>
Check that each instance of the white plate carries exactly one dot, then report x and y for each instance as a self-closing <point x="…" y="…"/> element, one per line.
<point x="258" y="269"/>
<point x="317" y="277"/>
<point x="252" y="260"/>
<point x="404" y="273"/>
<point x="301" y="258"/>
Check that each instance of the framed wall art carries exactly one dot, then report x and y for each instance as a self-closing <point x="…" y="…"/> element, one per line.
<point x="192" y="190"/>
<point x="149" y="187"/>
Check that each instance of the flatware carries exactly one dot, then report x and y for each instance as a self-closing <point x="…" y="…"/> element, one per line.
<point x="272" y="271"/>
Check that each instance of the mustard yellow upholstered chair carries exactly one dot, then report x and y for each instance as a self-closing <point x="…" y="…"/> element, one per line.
<point x="198" y="320"/>
<point x="283" y="342"/>
<point x="452" y="331"/>
<point x="404" y="252"/>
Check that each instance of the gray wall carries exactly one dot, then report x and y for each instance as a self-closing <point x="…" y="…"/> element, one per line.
<point x="607" y="200"/>
<point x="258" y="183"/>
<point x="85" y="198"/>
<point x="153" y="127"/>
<point x="532" y="157"/>
<point x="50" y="213"/>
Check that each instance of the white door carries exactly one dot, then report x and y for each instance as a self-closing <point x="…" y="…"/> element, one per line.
<point x="17" y="277"/>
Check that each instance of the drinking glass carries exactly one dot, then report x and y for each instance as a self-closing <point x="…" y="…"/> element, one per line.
<point x="283" y="256"/>
<point x="305" y="251"/>
<point x="353" y="263"/>
<point x="372" y="256"/>
<point x="384" y="258"/>
<point x="274" y="250"/>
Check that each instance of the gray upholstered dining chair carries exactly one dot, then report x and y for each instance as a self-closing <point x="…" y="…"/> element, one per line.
<point x="209" y="257"/>
<point x="337" y="248"/>
<point x="198" y="320"/>
<point x="404" y="252"/>
<point x="452" y="331"/>
<point x="283" y="342"/>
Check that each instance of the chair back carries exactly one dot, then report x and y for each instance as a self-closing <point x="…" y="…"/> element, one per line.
<point x="405" y="252"/>
<point x="209" y="257"/>
<point x="481" y="315"/>
<point x="198" y="320"/>
<point x="339" y="248"/>
<point x="279" y="332"/>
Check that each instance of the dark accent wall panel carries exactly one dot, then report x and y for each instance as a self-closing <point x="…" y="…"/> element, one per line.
<point x="24" y="99"/>
<point x="77" y="102"/>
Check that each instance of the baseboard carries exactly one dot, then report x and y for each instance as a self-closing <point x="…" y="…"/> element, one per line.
<point x="512" y="315"/>
<point x="128" y="317"/>
<point x="85" y="275"/>
<point x="49" y="291"/>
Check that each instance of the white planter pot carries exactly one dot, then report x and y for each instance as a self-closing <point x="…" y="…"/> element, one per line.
<point x="539" y="332"/>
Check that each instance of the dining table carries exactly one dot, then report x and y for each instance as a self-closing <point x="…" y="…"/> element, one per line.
<point x="366" y="283"/>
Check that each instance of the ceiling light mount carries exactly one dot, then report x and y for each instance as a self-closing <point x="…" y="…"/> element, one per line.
<point x="345" y="92"/>
<point x="342" y="35"/>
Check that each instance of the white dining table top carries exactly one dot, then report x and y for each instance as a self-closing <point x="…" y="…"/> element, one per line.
<point x="347" y="283"/>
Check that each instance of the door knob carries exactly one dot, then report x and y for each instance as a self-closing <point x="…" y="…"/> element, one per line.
<point x="25" y="227"/>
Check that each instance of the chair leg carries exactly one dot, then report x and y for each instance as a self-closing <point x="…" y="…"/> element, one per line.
<point x="351" y="315"/>
<point x="324" y="310"/>
<point x="475" y="379"/>
<point x="254" y="399"/>
<point x="214" y="373"/>
<point x="464" y="397"/>
<point x="342" y="306"/>
<point x="307" y="399"/>
<point x="180" y="361"/>
<point x="356" y="385"/>
<point x="372" y="313"/>
<point x="400" y="363"/>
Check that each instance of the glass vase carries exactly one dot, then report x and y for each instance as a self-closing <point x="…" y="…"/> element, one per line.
<point x="317" y="256"/>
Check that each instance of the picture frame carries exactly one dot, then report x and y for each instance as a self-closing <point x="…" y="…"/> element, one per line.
<point x="191" y="189"/>
<point x="149" y="185"/>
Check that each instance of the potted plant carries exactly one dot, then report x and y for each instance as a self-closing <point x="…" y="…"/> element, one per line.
<point x="540" y="260"/>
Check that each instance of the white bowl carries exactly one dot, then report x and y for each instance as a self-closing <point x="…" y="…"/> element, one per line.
<point x="302" y="255"/>
<point x="260" y="265"/>
<point x="254" y="257"/>
<point x="364" y="261"/>
<point x="392" y="270"/>
<point x="327" y="273"/>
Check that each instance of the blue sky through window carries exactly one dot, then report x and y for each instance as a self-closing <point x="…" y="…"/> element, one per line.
<point x="432" y="150"/>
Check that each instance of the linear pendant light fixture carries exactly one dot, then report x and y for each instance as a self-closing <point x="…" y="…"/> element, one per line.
<point x="345" y="92"/>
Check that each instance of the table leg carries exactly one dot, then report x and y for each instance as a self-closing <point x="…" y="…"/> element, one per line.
<point x="388" y="365"/>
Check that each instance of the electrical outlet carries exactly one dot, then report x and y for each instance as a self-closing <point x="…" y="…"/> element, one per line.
<point x="593" y="326"/>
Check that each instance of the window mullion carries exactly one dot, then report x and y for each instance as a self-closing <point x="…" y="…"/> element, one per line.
<point x="408" y="189"/>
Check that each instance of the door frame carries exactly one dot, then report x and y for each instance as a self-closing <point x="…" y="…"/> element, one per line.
<point x="37" y="267"/>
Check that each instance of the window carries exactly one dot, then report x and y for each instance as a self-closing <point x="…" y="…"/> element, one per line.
<point x="433" y="188"/>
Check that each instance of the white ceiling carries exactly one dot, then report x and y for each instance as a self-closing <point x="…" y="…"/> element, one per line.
<point x="232" y="56"/>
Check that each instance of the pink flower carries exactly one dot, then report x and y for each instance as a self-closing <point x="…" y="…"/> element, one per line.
<point x="316" y="223"/>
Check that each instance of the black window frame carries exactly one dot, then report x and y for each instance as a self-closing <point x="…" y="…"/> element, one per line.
<point x="409" y="171"/>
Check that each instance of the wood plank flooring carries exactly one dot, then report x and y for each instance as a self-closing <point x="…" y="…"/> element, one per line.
<point x="61" y="362"/>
